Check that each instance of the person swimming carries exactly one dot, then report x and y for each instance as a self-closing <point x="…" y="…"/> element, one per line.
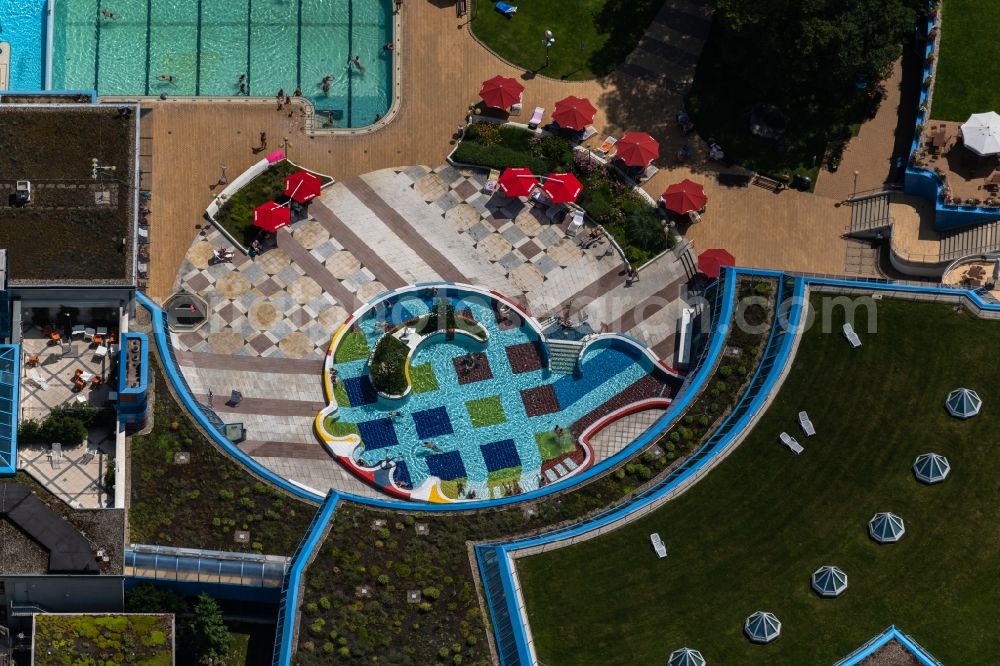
<point x="326" y="83"/>
<point x="110" y="15"/>
<point x="166" y="77"/>
<point x="357" y="63"/>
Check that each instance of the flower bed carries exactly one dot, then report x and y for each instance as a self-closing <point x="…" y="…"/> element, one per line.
<point x="388" y="366"/>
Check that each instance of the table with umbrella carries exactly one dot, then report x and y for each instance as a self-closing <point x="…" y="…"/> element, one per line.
<point x="981" y="133"/>
<point x="684" y="198"/>
<point x="302" y="186"/>
<point x="271" y="216"/>
<point x="562" y="187"/>
<point x="637" y="149"/>
<point x="574" y="113"/>
<point x="517" y="182"/>
<point x="710" y="262"/>
<point x="501" y="92"/>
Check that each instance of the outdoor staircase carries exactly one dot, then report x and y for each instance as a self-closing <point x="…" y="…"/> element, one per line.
<point x="564" y="355"/>
<point x="870" y="214"/>
<point x="979" y="239"/>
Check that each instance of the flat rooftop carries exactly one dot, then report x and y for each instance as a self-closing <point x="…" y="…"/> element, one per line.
<point x="77" y="229"/>
<point x="134" y="638"/>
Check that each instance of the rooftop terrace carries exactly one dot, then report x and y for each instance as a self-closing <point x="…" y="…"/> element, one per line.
<point x="78" y="224"/>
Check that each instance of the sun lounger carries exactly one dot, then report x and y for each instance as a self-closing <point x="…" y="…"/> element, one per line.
<point x="536" y="118"/>
<point x="648" y="173"/>
<point x="807" y="425"/>
<point x="851" y="336"/>
<point x="588" y="132"/>
<point x="36" y="378"/>
<point x="516" y="109"/>
<point x="540" y="197"/>
<point x="607" y="146"/>
<point x="505" y="9"/>
<point x="790" y="442"/>
<point x="142" y="269"/>
<point x="491" y="182"/>
<point x="658" y="546"/>
<point x="575" y="224"/>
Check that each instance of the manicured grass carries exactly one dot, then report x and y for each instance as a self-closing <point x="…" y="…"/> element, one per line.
<point x="201" y="503"/>
<point x="969" y="63"/>
<point x="339" y="428"/>
<point x="748" y="536"/>
<point x="340" y="394"/>
<point x="485" y="411"/>
<point x="353" y="347"/>
<point x="592" y="37"/>
<point x="65" y="640"/>
<point x="551" y="445"/>
<point x="423" y="378"/>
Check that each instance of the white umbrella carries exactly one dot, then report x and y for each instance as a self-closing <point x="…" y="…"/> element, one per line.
<point x="981" y="133"/>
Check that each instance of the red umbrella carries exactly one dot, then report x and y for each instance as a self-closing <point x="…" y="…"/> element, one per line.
<point x="574" y="113"/>
<point x="271" y="217"/>
<point x="638" y="149"/>
<point x="710" y="262"/>
<point x="302" y="186"/>
<point x="517" y="182"/>
<point x="562" y="187"/>
<point x="684" y="197"/>
<point x="501" y="92"/>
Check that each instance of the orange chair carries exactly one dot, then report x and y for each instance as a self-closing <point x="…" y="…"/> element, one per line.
<point x="98" y="340"/>
<point x="54" y="338"/>
<point x="79" y="384"/>
<point x="32" y="361"/>
<point x="77" y="372"/>
<point x="95" y="381"/>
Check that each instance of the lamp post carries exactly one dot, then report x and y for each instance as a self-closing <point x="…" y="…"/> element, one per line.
<point x="223" y="180"/>
<point x="855" y="183"/>
<point x="548" y="42"/>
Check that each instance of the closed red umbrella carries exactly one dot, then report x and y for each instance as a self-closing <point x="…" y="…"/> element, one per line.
<point x="710" y="262"/>
<point x="501" y="92"/>
<point x="574" y="113"/>
<point x="562" y="187"/>
<point x="271" y="217"/>
<point x="517" y="182"/>
<point x="302" y="186"/>
<point x="684" y="197"/>
<point x="637" y="149"/>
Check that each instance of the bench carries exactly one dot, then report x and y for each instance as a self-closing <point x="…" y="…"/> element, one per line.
<point x="767" y="183"/>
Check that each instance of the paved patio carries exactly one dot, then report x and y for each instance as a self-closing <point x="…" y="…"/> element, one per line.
<point x="55" y="370"/>
<point x="76" y="474"/>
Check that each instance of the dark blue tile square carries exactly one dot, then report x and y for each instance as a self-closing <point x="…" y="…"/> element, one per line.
<point x="401" y="474"/>
<point x="377" y="434"/>
<point x="446" y="466"/>
<point x="360" y="391"/>
<point x="500" y="455"/>
<point x="432" y="423"/>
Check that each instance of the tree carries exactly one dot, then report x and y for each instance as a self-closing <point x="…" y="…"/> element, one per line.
<point x="147" y="598"/>
<point x="205" y="634"/>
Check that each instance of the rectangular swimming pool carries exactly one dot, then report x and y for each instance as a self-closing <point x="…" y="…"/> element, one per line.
<point x="127" y="47"/>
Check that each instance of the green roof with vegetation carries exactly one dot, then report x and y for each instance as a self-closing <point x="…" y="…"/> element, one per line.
<point x="749" y="535"/>
<point x="102" y="640"/>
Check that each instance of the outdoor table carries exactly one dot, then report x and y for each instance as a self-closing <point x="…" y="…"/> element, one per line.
<point x="87" y="376"/>
<point x="939" y="139"/>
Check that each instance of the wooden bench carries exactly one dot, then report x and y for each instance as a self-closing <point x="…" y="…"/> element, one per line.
<point x="461" y="8"/>
<point x="767" y="183"/>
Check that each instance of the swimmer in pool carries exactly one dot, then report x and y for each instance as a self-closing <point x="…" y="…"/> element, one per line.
<point x="166" y="77"/>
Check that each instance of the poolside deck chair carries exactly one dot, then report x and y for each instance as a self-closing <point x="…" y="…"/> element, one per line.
<point x="506" y="10"/>
<point x="575" y="224"/>
<point x="650" y="171"/>
<point x="851" y="336"/>
<point x="536" y="118"/>
<point x="588" y="132"/>
<point x="790" y="442"/>
<point x="607" y="147"/>
<point x="36" y="378"/>
<point x="516" y="109"/>
<point x="539" y="197"/>
<point x="142" y="269"/>
<point x="807" y="425"/>
<point x="658" y="546"/>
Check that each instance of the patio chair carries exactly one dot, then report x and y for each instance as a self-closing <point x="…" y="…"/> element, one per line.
<point x="36" y="378"/>
<point x="648" y="173"/>
<point x="143" y="269"/>
<point x="78" y="331"/>
<point x="658" y="546"/>
<point x="143" y="235"/>
<point x="807" y="425"/>
<point x="588" y="132"/>
<point x="235" y="398"/>
<point x="790" y="442"/>
<point x="536" y="118"/>
<point x="852" y="337"/>
<point x="607" y="147"/>
<point x="539" y="197"/>
<point x="575" y="224"/>
<point x="506" y="10"/>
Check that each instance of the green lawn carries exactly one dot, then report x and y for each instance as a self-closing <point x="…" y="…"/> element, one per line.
<point x="423" y="378"/>
<point x="592" y="37"/>
<point x="969" y="64"/>
<point x="353" y="347"/>
<point x="748" y="536"/>
<point x="485" y="411"/>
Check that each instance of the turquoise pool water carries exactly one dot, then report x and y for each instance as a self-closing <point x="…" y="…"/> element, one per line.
<point x="22" y="25"/>
<point x="606" y="372"/>
<point x="205" y="45"/>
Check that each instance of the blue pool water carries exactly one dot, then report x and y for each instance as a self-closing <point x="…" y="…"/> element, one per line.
<point x="205" y="45"/>
<point x="441" y="416"/>
<point x="22" y="25"/>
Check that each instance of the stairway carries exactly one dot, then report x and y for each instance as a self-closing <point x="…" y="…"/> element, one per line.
<point x="564" y="355"/>
<point x="979" y="239"/>
<point x="870" y="214"/>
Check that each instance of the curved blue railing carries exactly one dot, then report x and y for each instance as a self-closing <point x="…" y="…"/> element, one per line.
<point x="890" y="634"/>
<point x="207" y="418"/>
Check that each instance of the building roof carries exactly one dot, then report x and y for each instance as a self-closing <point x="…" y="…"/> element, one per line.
<point x="829" y="581"/>
<point x="963" y="403"/>
<point x="69" y="551"/>
<point x="685" y="657"/>
<point x="931" y="467"/>
<point x="886" y="527"/>
<point x="78" y="227"/>
<point x="762" y="627"/>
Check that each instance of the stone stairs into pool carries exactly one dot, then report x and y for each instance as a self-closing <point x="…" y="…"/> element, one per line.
<point x="564" y="355"/>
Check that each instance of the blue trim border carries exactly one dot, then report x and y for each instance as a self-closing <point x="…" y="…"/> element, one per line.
<point x="890" y="634"/>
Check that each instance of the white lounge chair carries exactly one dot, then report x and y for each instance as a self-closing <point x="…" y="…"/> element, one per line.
<point x="588" y="132"/>
<point x="658" y="546"/>
<point x="807" y="425"/>
<point x="536" y="117"/>
<point x="851" y="336"/>
<point x="790" y="442"/>
<point x="650" y="171"/>
<point x="607" y="147"/>
<point x="516" y="109"/>
<point x="575" y="224"/>
<point x="491" y="181"/>
<point x="36" y="378"/>
<point x="539" y="197"/>
<point x="142" y="268"/>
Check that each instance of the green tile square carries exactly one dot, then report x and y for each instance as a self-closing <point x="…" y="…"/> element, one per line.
<point x="423" y="378"/>
<point x="353" y="347"/>
<point x="485" y="411"/>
